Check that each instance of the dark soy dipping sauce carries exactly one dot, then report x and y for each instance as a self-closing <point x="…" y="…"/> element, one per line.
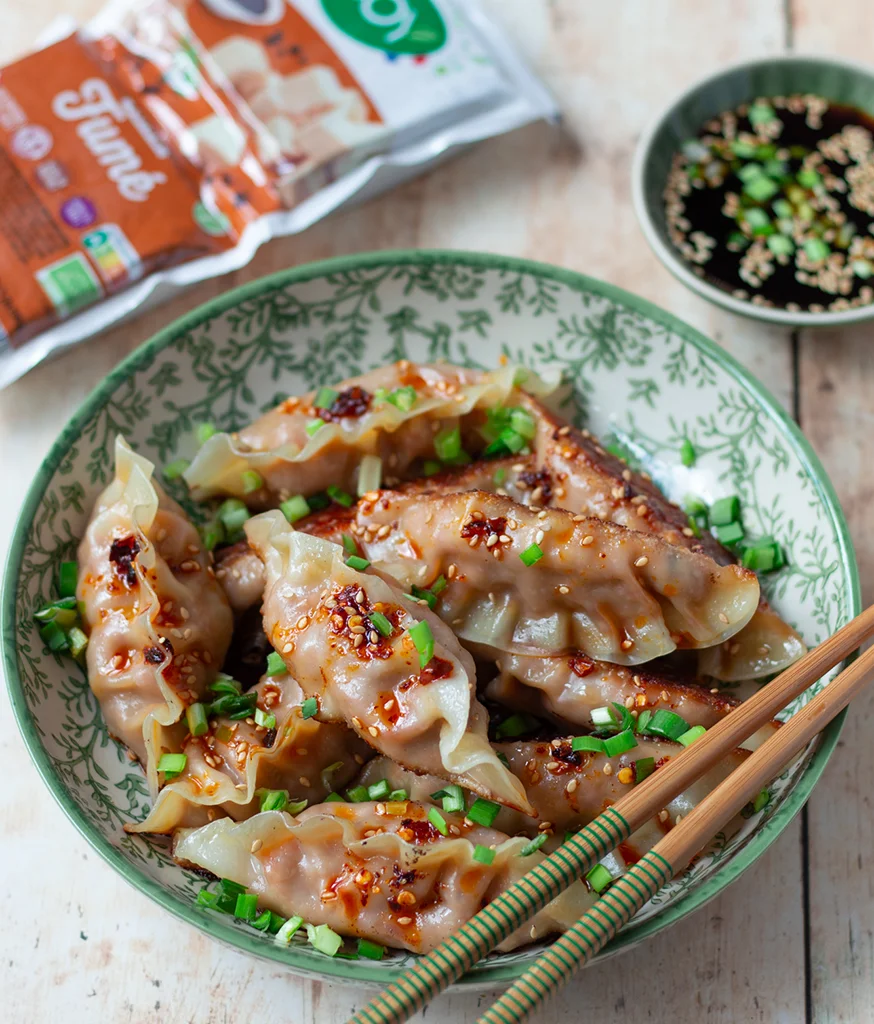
<point x="820" y="157"/>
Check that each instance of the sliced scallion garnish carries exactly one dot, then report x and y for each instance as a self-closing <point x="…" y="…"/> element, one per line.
<point x="204" y="431"/>
<point x="252" y="481"/>
<point x="483" y="812"/>
<point x="447" y="443"/>
<point x="689" y="737"/>
<point x="195" y="717"/>
<point x="275" y="664"/>
<point x="404" y="398"/>
<point x="172" y="764"/>
<point x="274" y="799"/>
<point x="381" y="623"/>
<point x="314" y="426"/>
<point x="233" y="514"/>
<point x="423" y="641"/>
<point x="67" y="577"/>
<point x="265" y="719"/>
<point x="588" y="743"/>
<point x="175" y="469"/>
<point x="286" y="932"/>
<point x="309" y="708"/>
<point x="325" y="398"/>
<point x="643" y="768"/>
<point x="687" y="453"/>
<point x="619" y="743"/>
<point x="370" y="950"/>
<point x="358" y="795"/>
<point x="438" y="821"/>
<point x="599" y="878"/>
<point x="532" y="554"/>
<point x="516" y="725"/>
<point x="369" y="475"/>
<point x="357" y="563"/>
<point x="533" y="846"/>
<point x="379" y="790"/>
<point x="340" y="496"/>
<point x="483" y="854"/>
<point x="324" y="939"/>
<point x="666" y="724"/>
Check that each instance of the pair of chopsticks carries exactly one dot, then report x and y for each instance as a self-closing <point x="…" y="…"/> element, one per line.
<point x="518" y="904"/>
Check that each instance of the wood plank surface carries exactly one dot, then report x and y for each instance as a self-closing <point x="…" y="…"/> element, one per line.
<point x="79" y="945"/>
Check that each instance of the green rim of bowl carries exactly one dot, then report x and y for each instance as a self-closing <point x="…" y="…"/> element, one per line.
<point x="709" y="97"/>
<point x="490" y="973"/>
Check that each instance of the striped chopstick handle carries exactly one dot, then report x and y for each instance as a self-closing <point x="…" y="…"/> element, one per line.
<point x="431" y="974"/>
<point x="585" y="939"/>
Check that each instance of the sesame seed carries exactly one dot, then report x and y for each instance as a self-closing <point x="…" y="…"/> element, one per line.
<point x="723" y="618"/>
<point x="373" y="731"/>
<point x="571" y="786"/>
<point x="617" y="492"/>
<point x="389" y="704"/>
<point x="304" y="781"/>
<point x="664" y="696"/>
<point x="474" y="540"/>
<point x="688" y="531"/>
<point x="588" y="541"/>
<point x="358" y="639"/>
<point x="626" y="645"/>
<point x="626" y="474"/>
<point x="360" y="596"/>
<point x="288" y="648"/>
<point x="357" y="722"/>
<point x="490" y="542"/>
<point x="714" y="689"/>
<point x="404" y="921"/>
<point x="542" y="514"/>
<point x="532" y="931"/>
<point x="642" y="510"/>
<point x="629" y="702"/>
<point x="608" y="769"/>
<point x="504" y="539"/>
<point x="538" y="537"/>
<point x="664" y="815"/>
<point x="451" y="571"/>
<point x="578" y="519"/>
<point x="544" y="826"/>
<point x="256" y="846"/>
<point x="564" y="431"/>
<point x="552" y="766"/>
<point x="383" y="532"/>
<point x="564" y="590"/>
<point x="642" y="561"/>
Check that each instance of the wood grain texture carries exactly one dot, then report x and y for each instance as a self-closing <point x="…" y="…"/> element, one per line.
<point x="836" y="401"/>
<point x="79" y="944"/>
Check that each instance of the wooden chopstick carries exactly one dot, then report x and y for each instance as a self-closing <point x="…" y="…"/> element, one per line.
<point x="433" y="973"/>
<point x="673" y="853"/>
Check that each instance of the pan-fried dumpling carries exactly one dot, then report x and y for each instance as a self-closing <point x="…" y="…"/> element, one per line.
<point x="579" y="475"/>
<point x="615" y="594"/>
<point x="393" y="879"/>
<point x="309" y="443"/>
<point x="227" y="766"/>
<point x="159" y="623"/>
<point x="346" y="637"/>
<point x="569" y="788"/>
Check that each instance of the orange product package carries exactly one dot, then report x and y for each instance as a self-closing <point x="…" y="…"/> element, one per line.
<point x="90" y="196"/>
<point x="168" y="139"/>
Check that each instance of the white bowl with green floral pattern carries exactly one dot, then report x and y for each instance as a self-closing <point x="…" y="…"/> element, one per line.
<point x="631" y="369"/>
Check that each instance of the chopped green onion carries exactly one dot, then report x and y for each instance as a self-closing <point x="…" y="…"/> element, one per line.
<point x="349" y="544"/>
<point x="172" y="764"/>
<point x="381" y="624"/>
<point x="275" y="664"/>
<point x="603" y="717"/>
<point x="756" y="217"/>
<point x="643" y="720"/>
<point x="780" y="245"/>
<point x="252" y="481"/>
<point x="598" y="878"/>
<point x="324" y="939"/>
<point x="512" y="440"/>
<point x="285" y="933"/>
<point x="317" y="502"/>
<point x="523" y="423"/>
<point x="643" y="768"/>
<point x="358" y="563"/>
<point x="266" y="720"/>
<point x="314" y="426"/>
<point x="750" y="171"/>
<point x="534" y="845"/>
<point x="334" y="798"/>
<point x="453" y="798"/>
<point x="619" y="743"/>
<point x="439" y="585"/>
<point x="862" y="268"/>
<point x="447" y="443"/>
<point x="762" y="800"/>
<point x="516" y="725"/>
<point x="358" y="795"/>
<point x="666" y="724"/>
<point x="817" y="250"/>
<point x="370" y="950"/>
<point x="484" y="854"/>
<point x="195" y="716"/>
<point x="295" y="806"/>
<point x="379" y="790"/>
<point x="762" y="557"/>
<point x="205" y="898"/>
<point x="403" y="398"/>
<point x="761" y="113"/>
<point x="232" y="514"/>
<point x="205" y="431"/>
<point x="397" y="796"/>
<point x="761" y="188"/>
<point x="77" y="640"/>
<point x="225" y="684"/>
<point x="532" y="554"/>
<point x="483" y="812"/>
<point x="52" y="611"/>
<point x="431" y="467"/>
<point x="782" y="207"/>
<point x="212" y="535"/>
<point x="687" y="453"/>
<point x="499" y="477"/>
<point x="369" y="475"/>
<point x="310" y="707"/>
<point x="588" y="743"/>
<point x="745" y="150"/>
<point x="274" y="799"/>
<point x="423" y="640"/>
<point x="230" y="888"/>
<point x="340" y="496"/>
<point x="67" y="577"/>
<point x="689" y="737"/>
<point x="418" y="594"/>
<point x="808" y="177"/>
<point x="262" y="921"/>
<point x="438" y="821"/>
<point x="731" y="534"/>
<point x="725" y="511"/>
<point x="325" y="398"/>
<point x="176" y="468"/>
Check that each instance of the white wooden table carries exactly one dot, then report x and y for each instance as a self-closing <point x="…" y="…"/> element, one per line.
<point x="793" y="941"/>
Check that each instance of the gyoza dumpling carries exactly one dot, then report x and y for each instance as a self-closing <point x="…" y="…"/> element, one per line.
<point x="394" y="413"/>
<point x="569" y="788"/>
<point x="393" y="879"/>
<point x="227" y="766"/>
<point x="376" y="659"/>
<point x="579" y="475"/>
<point x="159" y="623"/>
<point x="548" y="582"/>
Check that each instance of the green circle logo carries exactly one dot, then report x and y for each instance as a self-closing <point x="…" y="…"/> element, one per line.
<point x="396" y="26"/>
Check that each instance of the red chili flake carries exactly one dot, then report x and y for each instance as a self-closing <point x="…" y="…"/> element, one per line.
<point x="423" y="831"/>
<point x="566" y="756"/>
<point x="122" y="554"/>
<point x="484" y="528"/>
<point x="154" y="655"/>
<point x="581" y="665"/>
<point x="541" y="479"/>
<point x="351" y="403"/>
<point x="437" y="668"/>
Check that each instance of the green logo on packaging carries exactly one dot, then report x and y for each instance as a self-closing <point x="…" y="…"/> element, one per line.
<point x="396" y="26"/>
